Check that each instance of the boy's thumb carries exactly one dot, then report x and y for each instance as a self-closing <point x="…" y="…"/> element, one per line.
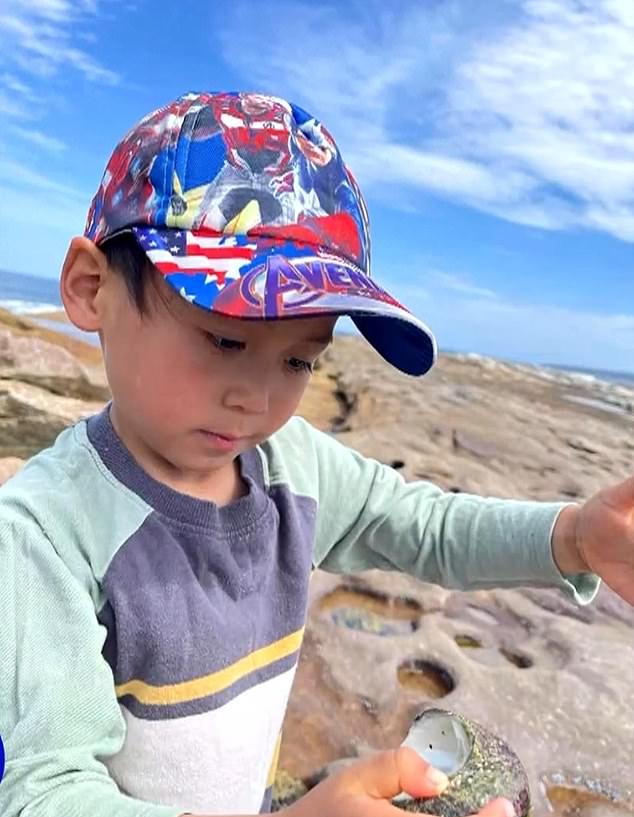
<point x="389" y="773"/>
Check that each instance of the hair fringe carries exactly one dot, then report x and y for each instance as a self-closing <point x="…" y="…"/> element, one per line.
<point x="128" y="259"/>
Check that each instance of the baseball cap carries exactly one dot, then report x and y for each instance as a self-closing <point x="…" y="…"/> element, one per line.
<point x="242" y="201"/>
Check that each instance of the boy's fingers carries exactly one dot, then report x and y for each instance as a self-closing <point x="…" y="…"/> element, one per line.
<point x="497" y="808"/>
<point x="417" y="777"/>
<point x="387" y="774"/>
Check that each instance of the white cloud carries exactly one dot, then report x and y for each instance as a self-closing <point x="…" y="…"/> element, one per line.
<point x="39" y="40"/>
<point x="441" y="173"/>
<point x="33" y="199"/>
<point x="464" y="319"/>
<point x="554" y="97"/>
<point x="57" y="10"/>
<point x="48" y="143"/>
<point x="520" y="108"/>
<point x="12" y="108"/>
<point x="18" y="175"/>
<point x="57" y="209"/>
<point x="459" y="283"/>
<point x="541" y="332"/>
<point x="40" y="226"/>
<point x="37" y="37"/>
<point x="15" y="85"/>
<point x="39" y="214"/>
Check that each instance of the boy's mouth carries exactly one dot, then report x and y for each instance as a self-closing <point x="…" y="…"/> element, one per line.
<point x="224" y="441"/>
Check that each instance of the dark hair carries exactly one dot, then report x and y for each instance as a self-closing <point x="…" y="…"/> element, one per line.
<point x="126" y="257"/>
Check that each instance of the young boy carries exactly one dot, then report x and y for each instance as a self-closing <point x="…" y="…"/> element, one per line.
<point x="156" y="558"/>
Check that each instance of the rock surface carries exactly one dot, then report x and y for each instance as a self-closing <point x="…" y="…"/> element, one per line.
<point x="559" y="689"/>
<point x="31" y="417"/>
<point x="40" y="363"/>
<point x="47" y="382"/>
<point x="555" y="680"/>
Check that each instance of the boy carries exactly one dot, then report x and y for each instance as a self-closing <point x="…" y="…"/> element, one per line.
<point x="156" y="559"/>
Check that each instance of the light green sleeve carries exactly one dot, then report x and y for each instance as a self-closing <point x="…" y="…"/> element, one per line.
<point x="58" y="710"/>
<point x="369" y="517"/>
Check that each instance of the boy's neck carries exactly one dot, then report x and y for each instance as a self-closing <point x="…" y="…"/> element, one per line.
<point x="221" y="487"/>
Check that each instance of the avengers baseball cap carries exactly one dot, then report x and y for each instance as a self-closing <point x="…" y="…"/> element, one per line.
<point x="245" y="206"/>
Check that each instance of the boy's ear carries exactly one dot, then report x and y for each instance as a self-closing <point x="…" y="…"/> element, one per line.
<point x="83" y="275"/>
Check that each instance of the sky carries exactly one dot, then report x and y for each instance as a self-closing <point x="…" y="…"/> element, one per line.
<point x="494" y="142"/>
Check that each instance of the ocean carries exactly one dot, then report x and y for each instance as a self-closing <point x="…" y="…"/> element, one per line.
<point x="30" y="294"/>
<point x="625" y="378"/>
<point x="33" y="295"/>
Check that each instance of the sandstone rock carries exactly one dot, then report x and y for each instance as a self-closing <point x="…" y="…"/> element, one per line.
<point x="32" y="360"/>
<point x="513" y="435"/>
<point x="581" y="444"/>
<point x="474" y="445"/>
<point x="558" y="689"/>
<point x="319" y="405"/>
<point x="31" y="418"/>
<point x="553" y="678"/>
<point x="23" y="326"/>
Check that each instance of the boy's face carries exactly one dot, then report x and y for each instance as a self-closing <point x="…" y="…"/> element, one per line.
<point x="191" y="390"/>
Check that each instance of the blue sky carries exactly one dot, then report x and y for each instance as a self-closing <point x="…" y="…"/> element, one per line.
<point x="494" y="142"/>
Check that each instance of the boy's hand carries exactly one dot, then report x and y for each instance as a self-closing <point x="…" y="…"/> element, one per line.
<point x="598" y="537"/>
<point x="366" y="788"/>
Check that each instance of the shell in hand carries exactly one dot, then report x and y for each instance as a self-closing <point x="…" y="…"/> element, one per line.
<point x="480" y="766"/>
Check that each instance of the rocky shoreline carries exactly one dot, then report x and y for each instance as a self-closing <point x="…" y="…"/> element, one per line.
<point x="555" y="680"/>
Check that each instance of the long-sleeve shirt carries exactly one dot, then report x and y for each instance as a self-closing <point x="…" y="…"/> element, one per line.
<point x="148" y="639"/>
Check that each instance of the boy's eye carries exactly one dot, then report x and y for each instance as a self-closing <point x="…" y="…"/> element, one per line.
<point x="225" y="344"/>
<point x="295" y="364"/>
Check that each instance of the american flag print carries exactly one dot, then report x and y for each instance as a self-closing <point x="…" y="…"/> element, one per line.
<point x="219" y="258"/>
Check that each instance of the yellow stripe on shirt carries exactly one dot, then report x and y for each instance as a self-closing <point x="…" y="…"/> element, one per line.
<point x="216" y="681"/>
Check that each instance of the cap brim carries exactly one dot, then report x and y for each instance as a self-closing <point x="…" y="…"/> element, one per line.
<point x="261" y="278"/>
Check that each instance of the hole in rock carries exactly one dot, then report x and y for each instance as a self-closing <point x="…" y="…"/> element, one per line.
<point x="520" y="661"/>
<point x="577" y="801"/>
<point x="397" y="464"/>
<point x="425" y="677"/>
<point x="371" y="611"/>
<point x="467" y="641"/>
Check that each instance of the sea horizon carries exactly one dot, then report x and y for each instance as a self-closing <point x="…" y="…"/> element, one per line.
<point x="33" y="295"/>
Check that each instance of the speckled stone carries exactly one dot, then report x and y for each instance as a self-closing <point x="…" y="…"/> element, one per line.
<point x="286" y="790"/>
<point x="491" y="770"/>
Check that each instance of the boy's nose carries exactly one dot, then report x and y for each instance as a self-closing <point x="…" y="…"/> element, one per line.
<point x="250" y="395"/>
